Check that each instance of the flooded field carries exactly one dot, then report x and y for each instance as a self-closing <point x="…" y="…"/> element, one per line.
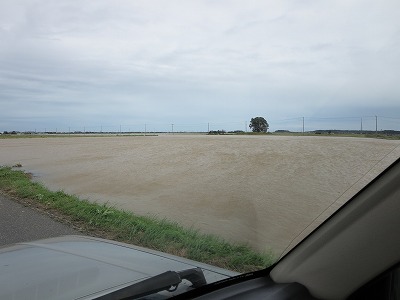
<point x="262" y="190"/>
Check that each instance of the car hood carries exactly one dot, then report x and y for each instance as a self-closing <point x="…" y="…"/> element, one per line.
<point x="77" y="267"/>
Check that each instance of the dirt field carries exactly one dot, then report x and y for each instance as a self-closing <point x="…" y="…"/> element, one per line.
<point x="263" y="190"/>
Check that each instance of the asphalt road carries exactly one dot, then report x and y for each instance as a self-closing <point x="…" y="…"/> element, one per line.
<point x="21" y="224"/>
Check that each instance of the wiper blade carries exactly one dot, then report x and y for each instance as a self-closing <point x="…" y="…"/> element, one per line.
<point x="167" y="281"/>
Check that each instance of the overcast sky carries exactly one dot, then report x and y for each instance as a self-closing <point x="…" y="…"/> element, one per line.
<point x="105" y="65"/>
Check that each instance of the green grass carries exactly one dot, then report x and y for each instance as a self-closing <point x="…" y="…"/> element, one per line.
<point x="108" y="222"/>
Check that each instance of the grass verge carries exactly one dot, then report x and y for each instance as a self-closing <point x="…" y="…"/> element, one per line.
<point x="108" y="222"/>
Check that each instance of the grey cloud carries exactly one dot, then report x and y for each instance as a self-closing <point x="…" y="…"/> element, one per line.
<point x="90" y="61"/>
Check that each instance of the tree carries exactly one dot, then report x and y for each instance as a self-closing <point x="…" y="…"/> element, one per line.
<point x="259" y="124"/>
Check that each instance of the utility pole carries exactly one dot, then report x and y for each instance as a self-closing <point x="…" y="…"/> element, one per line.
<point x="145" y="129"/>
<point x="303" y="125"/>
<point x="376" y="125"/>
<point x="361" y="124"/>
<point x="172" y="128"/>
<point x="120" y="129"/>
<point x="208" y="127"/>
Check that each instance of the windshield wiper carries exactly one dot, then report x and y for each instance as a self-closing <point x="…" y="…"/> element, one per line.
<point x="167" y="281"/>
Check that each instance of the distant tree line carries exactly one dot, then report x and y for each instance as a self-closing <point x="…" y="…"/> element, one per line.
<point x="216" y="132"/>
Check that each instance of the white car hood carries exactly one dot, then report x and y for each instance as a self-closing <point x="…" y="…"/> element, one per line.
<point x="77" y="267"/>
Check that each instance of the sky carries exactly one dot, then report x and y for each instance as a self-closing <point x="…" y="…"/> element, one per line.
<point x="84" y="65"/>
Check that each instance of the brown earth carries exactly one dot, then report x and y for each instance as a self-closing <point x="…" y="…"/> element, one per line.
<point x="262" y="190"/>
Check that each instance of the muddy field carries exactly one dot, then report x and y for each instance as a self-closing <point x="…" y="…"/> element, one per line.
<point x="263" y="190"/>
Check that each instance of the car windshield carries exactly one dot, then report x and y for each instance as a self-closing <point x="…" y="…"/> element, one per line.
<point x="244" y="124"/>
